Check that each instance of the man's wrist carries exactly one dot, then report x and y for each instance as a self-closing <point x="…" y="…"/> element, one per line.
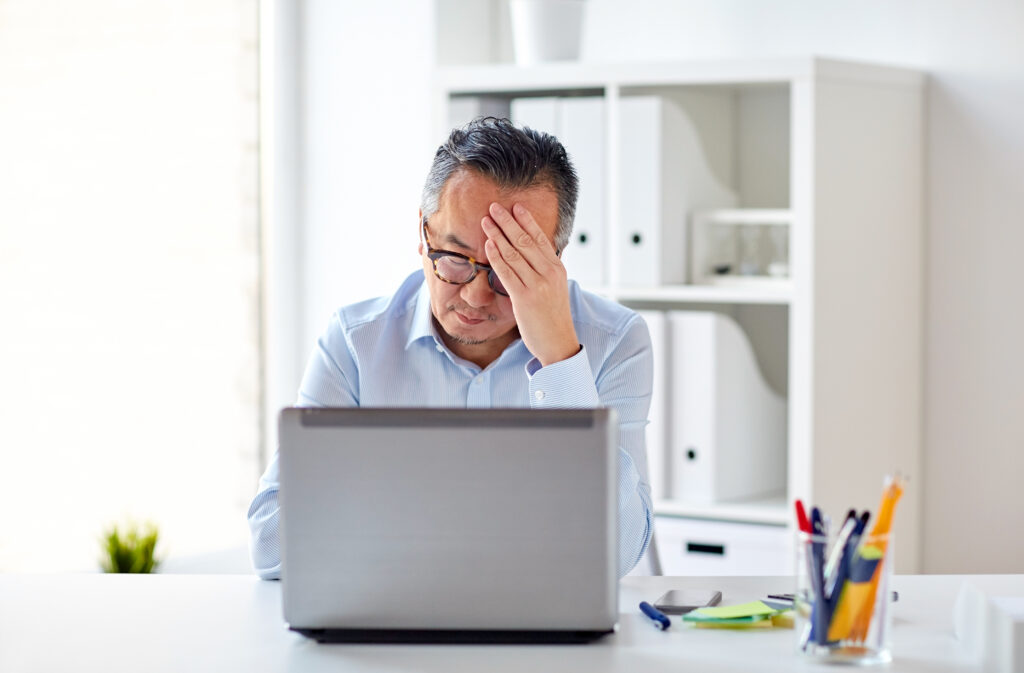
<point x="564" y="355"/>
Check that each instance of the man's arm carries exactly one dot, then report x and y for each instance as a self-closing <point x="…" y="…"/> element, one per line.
<point x="532" y="272"/>
<point x="623" y="383"/>
<point x="330" y="380"/>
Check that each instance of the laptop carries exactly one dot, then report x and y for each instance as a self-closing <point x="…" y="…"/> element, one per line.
<point x="449" y="525"/>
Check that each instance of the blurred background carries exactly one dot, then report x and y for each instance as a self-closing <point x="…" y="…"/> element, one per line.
<point x="188" y="189"/>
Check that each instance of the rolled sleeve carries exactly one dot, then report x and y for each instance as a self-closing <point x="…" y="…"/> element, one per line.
<point x="568" y="384"/>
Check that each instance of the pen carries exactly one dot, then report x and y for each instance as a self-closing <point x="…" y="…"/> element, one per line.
<point x="802" y="522"/>
<point x="819" y="614"/>
<point x="656" y="616"/>
<point x="833" y="581"/>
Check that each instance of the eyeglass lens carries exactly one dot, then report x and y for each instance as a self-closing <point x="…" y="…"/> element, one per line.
<point x="457" y="270"/>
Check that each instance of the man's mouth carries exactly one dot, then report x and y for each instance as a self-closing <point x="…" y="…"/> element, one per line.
<point x="470" y="318"/>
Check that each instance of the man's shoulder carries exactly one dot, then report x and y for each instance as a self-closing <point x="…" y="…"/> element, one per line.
<point x="367" y="312"/>
<point x="601" y="313"/>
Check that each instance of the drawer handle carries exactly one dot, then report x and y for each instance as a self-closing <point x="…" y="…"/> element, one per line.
<point x="699" y="548"/>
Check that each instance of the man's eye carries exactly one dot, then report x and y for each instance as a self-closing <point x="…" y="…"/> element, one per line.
<point x="455" y="263"/>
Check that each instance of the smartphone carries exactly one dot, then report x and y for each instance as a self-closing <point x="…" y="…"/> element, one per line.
<point x="681" y="601"/>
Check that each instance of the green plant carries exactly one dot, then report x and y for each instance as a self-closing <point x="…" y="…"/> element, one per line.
<point x="130" y="549"/>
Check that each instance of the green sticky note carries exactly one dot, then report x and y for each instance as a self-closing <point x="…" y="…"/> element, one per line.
<point x="702" y="619"/>
<point x="751" y="609"/>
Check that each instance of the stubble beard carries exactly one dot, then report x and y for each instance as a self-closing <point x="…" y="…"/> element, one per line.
<point x="464" y="340"/>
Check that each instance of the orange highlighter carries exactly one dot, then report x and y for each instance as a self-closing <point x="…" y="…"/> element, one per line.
<point x="853" y="613"/>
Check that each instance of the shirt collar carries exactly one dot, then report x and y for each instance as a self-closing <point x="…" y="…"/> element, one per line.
<point x="422" y="326"/>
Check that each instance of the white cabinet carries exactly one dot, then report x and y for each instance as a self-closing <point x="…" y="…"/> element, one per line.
<point x="819" y="158"/>
<point x="695" y="547"/>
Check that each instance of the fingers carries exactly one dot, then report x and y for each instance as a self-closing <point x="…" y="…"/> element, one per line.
<point x="509" y="278"/>
<point x="509" y="263"/>
<point x="521" y="230"/>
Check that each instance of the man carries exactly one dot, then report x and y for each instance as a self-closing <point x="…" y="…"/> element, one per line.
<point x="492" y="321"/>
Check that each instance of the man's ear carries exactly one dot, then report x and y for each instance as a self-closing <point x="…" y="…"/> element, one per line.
<point x="419" y="233"/>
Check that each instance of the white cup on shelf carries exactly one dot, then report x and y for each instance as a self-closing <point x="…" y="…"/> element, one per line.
<point x="546" y="30"/>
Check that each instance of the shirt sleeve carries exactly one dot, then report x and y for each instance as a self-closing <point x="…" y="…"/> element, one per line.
<point x="330" y="380"/>
<point x="624" y="382"/>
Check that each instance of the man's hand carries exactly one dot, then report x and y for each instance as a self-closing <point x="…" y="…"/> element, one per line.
<point x="525" y="261"/>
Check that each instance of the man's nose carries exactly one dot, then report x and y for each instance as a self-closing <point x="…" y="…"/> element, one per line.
<point x="478" y="292"/>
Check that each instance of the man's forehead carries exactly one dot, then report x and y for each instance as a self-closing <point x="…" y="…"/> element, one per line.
<point x="468" y="184"/>
<point x="467" y="195"/>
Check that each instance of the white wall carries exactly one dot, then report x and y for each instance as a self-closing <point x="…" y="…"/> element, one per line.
<point x="368" y="69"/>
<point x="129" y="276"/>
<point x="367" y="147"/>
<point x="350" y="131"/>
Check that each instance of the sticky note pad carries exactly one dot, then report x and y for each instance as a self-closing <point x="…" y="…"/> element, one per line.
<point x="746" y="623"/>
<point x="701" y="619"/>
<point x="751" y="609"/>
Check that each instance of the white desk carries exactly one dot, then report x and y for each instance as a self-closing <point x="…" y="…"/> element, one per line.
<point x="227" y="623"/>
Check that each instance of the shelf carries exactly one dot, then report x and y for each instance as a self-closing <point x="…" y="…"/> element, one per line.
<point x="777" y="216"/>
<point x="799" y="141"/>
<point x="769" y="511"/>
<point x="508" y="78"/>
<point x="777" y="292"/>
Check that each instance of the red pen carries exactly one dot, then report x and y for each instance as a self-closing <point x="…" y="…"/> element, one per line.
<point x="801" y="517"/>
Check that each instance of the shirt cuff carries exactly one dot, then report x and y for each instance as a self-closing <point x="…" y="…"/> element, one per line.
<point x="568" y="384"/>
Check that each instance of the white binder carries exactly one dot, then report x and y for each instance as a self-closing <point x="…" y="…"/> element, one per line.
<point x="578" y="123"/>
<point x="582" y="132"/>
<point x="664" y="176"/>
<point x="729" y="427"/>
<point x="657" y="428"/>
<point x="464" y="109"/>
<point x="540" y="114"/>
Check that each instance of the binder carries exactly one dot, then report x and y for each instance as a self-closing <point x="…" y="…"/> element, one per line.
<point x="663" y="176"/>
<point x="729" y="427"/>
<point x="579" y="124"/>
<point x="540" y="114"/>
<point x="582" y="132"/>
<point x="464" y="109"/>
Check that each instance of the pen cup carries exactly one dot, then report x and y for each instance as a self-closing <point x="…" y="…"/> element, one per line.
<point x="843" y="611"/>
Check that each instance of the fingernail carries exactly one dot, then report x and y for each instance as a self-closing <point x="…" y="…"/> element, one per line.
<point x="518" y="208"/>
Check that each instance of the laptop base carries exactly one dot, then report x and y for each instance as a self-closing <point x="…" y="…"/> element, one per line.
<point x="450" y="636"/>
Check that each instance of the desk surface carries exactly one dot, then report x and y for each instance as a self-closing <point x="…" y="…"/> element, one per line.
<point x="227" y="623"/>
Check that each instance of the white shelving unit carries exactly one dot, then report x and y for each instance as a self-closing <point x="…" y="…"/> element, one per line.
<point x="833" y="149"/>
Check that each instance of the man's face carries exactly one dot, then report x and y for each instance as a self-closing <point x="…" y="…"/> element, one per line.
<point x="476" y="322"/>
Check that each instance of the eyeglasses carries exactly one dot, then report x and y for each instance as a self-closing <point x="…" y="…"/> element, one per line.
<point x="458" y="269"/>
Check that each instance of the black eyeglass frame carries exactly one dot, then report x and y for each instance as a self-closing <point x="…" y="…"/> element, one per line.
<point x="434" y="254"/>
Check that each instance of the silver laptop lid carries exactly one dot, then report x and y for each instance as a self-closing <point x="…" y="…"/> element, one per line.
<point x="449" y="518"/>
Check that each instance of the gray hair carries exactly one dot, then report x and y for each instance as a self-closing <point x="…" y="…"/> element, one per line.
<point x="513" y="158"/>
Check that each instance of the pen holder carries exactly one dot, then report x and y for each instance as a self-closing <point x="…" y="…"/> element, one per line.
<point x="843" y="600"/>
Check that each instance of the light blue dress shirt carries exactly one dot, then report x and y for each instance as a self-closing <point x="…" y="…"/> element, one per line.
<point x="386" y="352"/>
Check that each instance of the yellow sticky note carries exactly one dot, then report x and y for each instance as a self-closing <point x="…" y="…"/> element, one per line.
<point x="783" y="620"/>
<point x="751" y="609"/>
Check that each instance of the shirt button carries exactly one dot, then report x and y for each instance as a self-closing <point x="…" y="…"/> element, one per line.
<point x="539" y="394"/>
<point x="478" y="380"/>
<point x="439" y="347"/>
